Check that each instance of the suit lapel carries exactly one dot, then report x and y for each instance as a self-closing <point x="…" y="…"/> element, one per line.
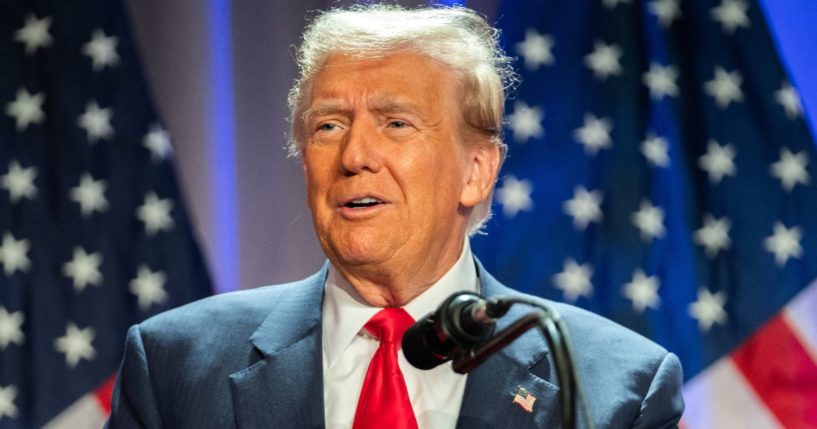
<point x="490" y="389"/>
<point x="286" y="384"/>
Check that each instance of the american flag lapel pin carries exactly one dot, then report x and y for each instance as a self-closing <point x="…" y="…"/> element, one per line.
<point x="524" y="399"/>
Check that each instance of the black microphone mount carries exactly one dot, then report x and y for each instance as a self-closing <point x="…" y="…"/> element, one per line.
<point x="462" y="330"/>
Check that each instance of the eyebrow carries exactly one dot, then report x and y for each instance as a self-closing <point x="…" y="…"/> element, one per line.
<point x="322" y="109"/>
<point x="382" y="104"/>
<point x="387" y="104"/>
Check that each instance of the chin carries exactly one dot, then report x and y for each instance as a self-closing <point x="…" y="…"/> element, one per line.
<point x="356" y="253"/>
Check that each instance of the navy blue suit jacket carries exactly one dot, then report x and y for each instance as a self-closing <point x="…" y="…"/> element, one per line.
<point x="253" y="359"/>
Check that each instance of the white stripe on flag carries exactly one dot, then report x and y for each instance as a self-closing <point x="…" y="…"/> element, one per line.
<point x="84" y="413"/>
<point x="719" y="397"/>
<point x="801" y="315"/>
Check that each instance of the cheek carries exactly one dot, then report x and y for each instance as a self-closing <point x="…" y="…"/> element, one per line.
<point x="437" y="186"/>
<point x="311" y="196"/>
<point x="316" y="191"/>
<point x="311" y="184"/>
<point x="317" y="169"/>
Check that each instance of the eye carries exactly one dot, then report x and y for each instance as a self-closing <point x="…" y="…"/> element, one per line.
<point x="398" y="124"/>
<point x="399" y="128"/>
<point x="327" y="127"/>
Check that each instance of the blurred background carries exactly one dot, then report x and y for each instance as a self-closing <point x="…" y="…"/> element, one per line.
<point x="662" y="173"/>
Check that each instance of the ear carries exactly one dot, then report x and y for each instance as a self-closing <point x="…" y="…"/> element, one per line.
<point x="482" y="168"/>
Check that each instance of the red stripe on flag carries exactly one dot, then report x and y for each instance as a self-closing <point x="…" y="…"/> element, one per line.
<point x="780" y="369"/>
<point x="103" y="394"/>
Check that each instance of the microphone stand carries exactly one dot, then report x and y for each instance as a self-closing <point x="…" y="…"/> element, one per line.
<point x="552" y="326"/>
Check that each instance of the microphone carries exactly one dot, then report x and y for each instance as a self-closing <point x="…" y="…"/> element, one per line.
<point x="463" y="321"/>
<point x="462" y="328"/>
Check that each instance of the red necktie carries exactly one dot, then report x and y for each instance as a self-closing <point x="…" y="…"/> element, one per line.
<point x="384" y="399"/>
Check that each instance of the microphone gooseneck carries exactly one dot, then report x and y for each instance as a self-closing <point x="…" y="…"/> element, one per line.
<point x="462" y="330"/>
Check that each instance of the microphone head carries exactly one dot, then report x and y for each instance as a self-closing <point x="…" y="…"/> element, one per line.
<point x="416" y="348"/>
<point x="451" y="329"/>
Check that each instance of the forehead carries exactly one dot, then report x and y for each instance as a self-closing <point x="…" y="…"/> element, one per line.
<point x="397" y="79"/>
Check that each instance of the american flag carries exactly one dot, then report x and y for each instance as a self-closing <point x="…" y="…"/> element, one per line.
<point x="661" y="174"/>
<point x="93" y="233"/>
<point x="524" y="399"/>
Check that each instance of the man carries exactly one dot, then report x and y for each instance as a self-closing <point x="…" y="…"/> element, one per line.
<point x="397" y="120"/>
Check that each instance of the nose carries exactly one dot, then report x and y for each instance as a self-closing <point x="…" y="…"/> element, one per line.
<point x="360" y="150"/>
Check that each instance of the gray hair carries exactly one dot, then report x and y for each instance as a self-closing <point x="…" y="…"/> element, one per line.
<point x="454" y="36"/>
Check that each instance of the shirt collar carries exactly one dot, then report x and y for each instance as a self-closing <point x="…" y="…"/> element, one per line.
<point x="345" y="312"/>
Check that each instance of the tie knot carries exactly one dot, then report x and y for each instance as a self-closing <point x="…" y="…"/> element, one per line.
<point x="389" y="324"/>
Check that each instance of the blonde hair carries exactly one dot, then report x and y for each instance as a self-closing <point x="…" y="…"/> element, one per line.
<point x="454" y="36"/>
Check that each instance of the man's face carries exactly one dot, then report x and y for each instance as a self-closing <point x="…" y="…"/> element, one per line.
<point x="390" y="181"/>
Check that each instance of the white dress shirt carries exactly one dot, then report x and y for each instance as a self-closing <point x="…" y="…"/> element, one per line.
<point x="436" y="394"/>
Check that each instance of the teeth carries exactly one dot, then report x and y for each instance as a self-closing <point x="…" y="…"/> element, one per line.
<point x="367" y="200"/>
<point x="363" y="202"/>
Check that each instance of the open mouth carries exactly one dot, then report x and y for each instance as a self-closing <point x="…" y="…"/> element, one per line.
<point x="362" y="203"/>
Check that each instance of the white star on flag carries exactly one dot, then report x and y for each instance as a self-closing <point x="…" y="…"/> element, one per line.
<point x="34" y="34"/>
<point x="594" y="134"/>
<point x="26" y="108"/>
<point x="655" y="149"/>
<point x="708" y="309"/>
<point x="604" y="60"/>
<point x="784" y="243"/>
<point x="642" y="291"/>
<point x="667" y="11"/>
<point x="731" y="14"/>
<point x="514" y="196"/>
<point x="7" y="396"/>
<point x="791" y="169"/>
<point x="718" y="161"/>
<point x="525" y="122"/>
<point x="611" y="4"/>
<point x="96" y="122"/>
<point x="90" y="195"/>
<point x="155" y="213"/>
<point x="14" y="254"/>
<point x="83" y="269"/>
<point x="788" y="97"/>
<point x="76" y="344"/>
<point x="19" y="182"/>
<point x="148" y="286"/>
<point x="649" y="219"/>
<point x="661" y="81"/>
<point x="725" y="87"/>
<point x="584" y="207"/>
<point x="574" y="280"/>
<point x="157" y="141"/>
<point x="536" y="49"/>
<point x="714" y="235"/>
<point x="102" y="50"/>
<point x="11" y="328"/>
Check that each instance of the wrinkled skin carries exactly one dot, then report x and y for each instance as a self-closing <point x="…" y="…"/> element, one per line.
<point x="391" y="174"/>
